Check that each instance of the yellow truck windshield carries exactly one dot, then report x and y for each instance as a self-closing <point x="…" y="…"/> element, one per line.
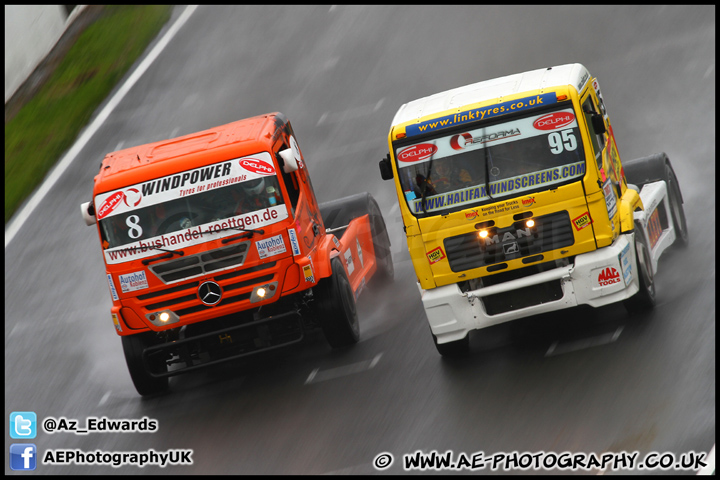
<point x="484" y="163"/>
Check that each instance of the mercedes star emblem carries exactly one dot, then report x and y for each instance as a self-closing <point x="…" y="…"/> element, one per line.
<point x="210" y="293"/>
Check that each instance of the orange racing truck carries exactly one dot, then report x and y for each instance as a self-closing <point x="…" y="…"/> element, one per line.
<point x="515" y="202"/>
<point x="215" y="248"/>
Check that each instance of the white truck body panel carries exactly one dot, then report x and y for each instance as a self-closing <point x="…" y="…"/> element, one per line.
<point x="453" y="313"/>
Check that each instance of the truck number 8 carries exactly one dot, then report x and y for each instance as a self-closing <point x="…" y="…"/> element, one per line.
<point x="566" y="142"/>
<point x="135" y="228"/>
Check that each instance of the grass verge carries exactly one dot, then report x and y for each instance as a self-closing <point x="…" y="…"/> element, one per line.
<point x="48" y="124"/>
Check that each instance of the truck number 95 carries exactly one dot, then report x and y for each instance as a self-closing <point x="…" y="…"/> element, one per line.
<point x="560" y="141"/>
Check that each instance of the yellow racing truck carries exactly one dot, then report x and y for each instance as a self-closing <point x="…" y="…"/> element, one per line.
<point x="515" y="202"/>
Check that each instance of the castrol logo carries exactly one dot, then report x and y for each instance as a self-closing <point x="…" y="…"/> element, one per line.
<point x="110" y="204"/>
<point x="417" y="152"/>
<point x="553" y="121"/>
<point x="257" y="166"/>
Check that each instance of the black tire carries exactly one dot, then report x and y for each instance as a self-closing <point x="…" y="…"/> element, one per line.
<point x="458" y="348"/>
<point x="339" y="213"/>
<point x="385" y="273"/>
<point x="641" y="171"/>
<point x="335" y="308"/>
<point x="644" y="299"/>
<point x="145" y="384"/>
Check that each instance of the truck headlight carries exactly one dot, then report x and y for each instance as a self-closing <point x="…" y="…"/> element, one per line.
<point x="263" y="292"/>
<point x="162" y="318"/>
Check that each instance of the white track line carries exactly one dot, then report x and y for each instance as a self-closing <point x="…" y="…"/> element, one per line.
<point x="18" y="220"/>
<point x="558" y="348"/>
<point x="318" y="376"/>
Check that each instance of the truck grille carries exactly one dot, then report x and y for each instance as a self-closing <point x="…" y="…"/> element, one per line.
<point x="172" y="296"/>
<point x="468" y="251"/>
<point x="201" y="263"/>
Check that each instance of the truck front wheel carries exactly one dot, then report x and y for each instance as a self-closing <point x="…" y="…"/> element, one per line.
<point x="644" y="299"/>
<point x="145" y="384"/>
<point x="385" y="272"/>
<point x="336" y="310"/>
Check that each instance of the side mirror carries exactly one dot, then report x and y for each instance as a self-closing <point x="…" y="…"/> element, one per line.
<point x="88" y="213"/>
<point x="598" y="123"/>
<point x="291" y="156"/>
<point x="386" y="168"/>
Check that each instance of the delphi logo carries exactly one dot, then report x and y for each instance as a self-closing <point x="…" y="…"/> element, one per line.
<point x="608" y="276"/>
<point x="257" y="166"/>
<point x="417" y="152"/>
<point x="110" y="204"/>
<point x="131" y="197"/>
<point x="553" y="121"/>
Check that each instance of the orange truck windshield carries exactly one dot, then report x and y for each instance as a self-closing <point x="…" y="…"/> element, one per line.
<point x="481" y="164"/>
<point x="189" y="208"/>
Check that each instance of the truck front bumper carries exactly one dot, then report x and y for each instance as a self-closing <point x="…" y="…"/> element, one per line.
<point x="604" y="276"/>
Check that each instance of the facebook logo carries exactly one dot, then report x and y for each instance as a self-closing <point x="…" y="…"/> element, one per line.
<point x="23" y="425"/>
<point x="23" y="456"/>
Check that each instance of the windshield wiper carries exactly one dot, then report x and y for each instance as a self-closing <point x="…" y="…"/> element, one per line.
<point x="147" y="261"/>
<point x="150" y="247"/>
<point x="170" y="254"/>
<point x="486" y="149"/>
<point x="426" y="181"/>
<point x="258" y="231"/>
<point x="423" y="194"/>
<point x="247" y="233"/>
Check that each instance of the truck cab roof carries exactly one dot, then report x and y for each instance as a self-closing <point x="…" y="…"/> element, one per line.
<point x="139" y="163"/>
<point x="501" y="89"/>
